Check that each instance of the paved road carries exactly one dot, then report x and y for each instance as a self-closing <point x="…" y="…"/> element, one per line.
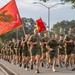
<point x="1" y="73"/>
<point x="43" y="71"/>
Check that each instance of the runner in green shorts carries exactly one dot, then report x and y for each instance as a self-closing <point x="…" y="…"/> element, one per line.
<point x="61" y="50"/>
<point x="70" y="42"/>
<point x="35" y="49"/>
<point x="45" y="54"/>
<point x="52" y="46"/>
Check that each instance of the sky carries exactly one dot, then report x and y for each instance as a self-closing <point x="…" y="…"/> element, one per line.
<point x="58" y="13"/>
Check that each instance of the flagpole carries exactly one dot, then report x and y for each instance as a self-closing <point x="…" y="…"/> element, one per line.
<point x="48" y="7"/>
<point x="23" y="30"/>
<point x="16" y="33"/>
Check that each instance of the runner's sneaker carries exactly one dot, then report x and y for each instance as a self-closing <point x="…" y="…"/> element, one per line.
<point x="20" y="65"/>
<point x="48" y="65"/>
<point x="66" y="66"/>
<point x="24" y="65"/>
<point x="37" y="71"/>
<point x="42" y="64"/>
<point x="31" y="67"/>
<point x="57" y="65"/>
<point x="72" y="69"/>
<point x="60" y="65"/>
<point x="63" y="61"/>
<point x="26" y="69"/>
<point x="53" y="70"/>
<point x="27" y="66"/>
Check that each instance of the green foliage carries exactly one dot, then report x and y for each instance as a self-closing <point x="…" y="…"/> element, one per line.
<point x="71" y="1"/>
<point x="63" y="27"/>
<point x="29" y="25"/>
<point x="44" y="0"/>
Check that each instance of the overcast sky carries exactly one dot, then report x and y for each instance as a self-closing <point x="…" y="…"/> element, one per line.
<point x="57" y="13"/>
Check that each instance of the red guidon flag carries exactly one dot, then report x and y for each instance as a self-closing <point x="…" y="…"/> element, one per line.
<point x="9" y="17"/>
<point x="40" y="25"/>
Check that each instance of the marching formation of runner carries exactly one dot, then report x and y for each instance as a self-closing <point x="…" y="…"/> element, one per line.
<point x="47" y="51"/>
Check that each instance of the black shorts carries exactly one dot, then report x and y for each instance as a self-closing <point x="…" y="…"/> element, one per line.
<point x="44" y="50"/>
<point x="53" y="55"/>
<point x="14" y="52"/>
<point x="69" y="52"/>
<point x="26" y="53"/>
<point x="62" y="52"/>
<point x="35" y="51"/>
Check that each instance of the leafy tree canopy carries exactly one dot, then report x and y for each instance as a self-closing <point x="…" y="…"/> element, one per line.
<point x="63" y="26"/>
<point x="44" y="0"/>
<point x="72" y="1"/>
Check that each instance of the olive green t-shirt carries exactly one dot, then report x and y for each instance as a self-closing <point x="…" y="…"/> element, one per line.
<point x="53" y="44"/>
<point x="68" y="38"/>
<point x="35" y="38"/>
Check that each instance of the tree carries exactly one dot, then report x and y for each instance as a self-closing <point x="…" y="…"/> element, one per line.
<point x="44" y="0"/>
<point x="63" y="26"/>
<point x="72" y="1"/>
<point x="29" y="25"/>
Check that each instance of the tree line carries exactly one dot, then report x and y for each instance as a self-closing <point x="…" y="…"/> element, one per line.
<point x="29" y="25"/>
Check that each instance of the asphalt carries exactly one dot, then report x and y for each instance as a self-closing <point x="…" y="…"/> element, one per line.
<point x="1" y="73"/>
<point x="16" y="70"/>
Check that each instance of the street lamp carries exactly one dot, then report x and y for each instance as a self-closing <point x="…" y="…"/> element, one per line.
<point x="48" y="7"/>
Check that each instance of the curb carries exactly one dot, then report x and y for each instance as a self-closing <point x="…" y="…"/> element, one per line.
<point x="3" y="71"/>
<point x="7" y="70"/>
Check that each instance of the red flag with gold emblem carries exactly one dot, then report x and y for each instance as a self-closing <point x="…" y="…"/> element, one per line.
<point x="9" y="17"/>
<point x="40" y="25"/>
